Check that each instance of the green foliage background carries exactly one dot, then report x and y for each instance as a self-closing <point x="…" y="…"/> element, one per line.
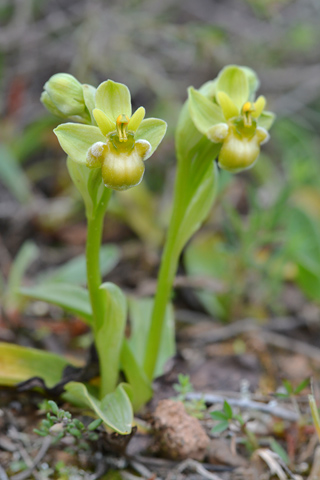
<point x="266" y="220"/>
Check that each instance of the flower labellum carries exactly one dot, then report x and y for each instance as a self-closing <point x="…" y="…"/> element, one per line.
<point x="121" y="157"/>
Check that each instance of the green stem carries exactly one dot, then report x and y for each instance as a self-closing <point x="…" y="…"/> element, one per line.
<point x="97" y="296"/>
<point x="189" y="184"/>
<point x="168" y="268"/>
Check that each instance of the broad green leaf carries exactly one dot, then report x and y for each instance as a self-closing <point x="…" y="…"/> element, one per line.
<point x="109" y="334"/>
<point x="266" y="120"/>
<point x="75" y="271"/>
<point x="115" y="409"/>
<point x="113" y="99"/>
<point x="71" y="298"/>
<point x="89" y="93"/>
<point x="26" y="255"/>
<point x="104" y="123"/>
<point x="303" y="246"/>
<point x="138" y="208"/>
<point x="204" y="112"/>
<point x="136" y="119"/>
<point x="13" y="177"/>
<point x="140" y="310"/>
<point x="33" y="137"/>
<point x="153" y="130"/>
<point x="18" y="364"/>
<point x="233" y="81"/>
<point x="135" y="376"/>
<point x="207" y="256"/>
<point x="76" y="139"/>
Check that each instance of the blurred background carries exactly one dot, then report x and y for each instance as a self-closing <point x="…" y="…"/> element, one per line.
<point x="258" y="254"/>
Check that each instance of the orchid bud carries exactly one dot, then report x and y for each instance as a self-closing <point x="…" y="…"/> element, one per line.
<point x="63" y="95"/>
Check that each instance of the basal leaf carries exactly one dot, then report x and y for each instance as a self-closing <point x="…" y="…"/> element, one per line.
<point x="140" y="310"/>
<point x="109" y="333"/>
<point x="135" y="376"/>
<point x="114" y="409"/>
<point x="71" y="298"/>
<point x="75" y="271"/>
<point x="18" y="364"/>
<point x="13" y="177"/>
<point x="26" y="255"/>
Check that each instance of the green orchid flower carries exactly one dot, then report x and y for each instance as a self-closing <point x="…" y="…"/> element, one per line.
<point x="119" y="143"/>
<point x="229" y="116"/>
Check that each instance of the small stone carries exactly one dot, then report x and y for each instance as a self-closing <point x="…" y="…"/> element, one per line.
<point x="179" y="435"/>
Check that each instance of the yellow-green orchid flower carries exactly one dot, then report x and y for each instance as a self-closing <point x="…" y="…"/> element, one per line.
<point x="119" y="144"/>
<point x="232" y="117"/>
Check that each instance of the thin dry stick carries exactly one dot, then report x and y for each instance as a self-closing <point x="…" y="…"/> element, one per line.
<point x="272" y="407"/>
<point x="247" y="325"/>
<point x="196" y="467"/>
<point x="43" y="450"/>
<point x="292" y="345"/>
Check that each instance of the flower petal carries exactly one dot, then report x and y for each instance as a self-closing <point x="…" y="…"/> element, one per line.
<point x="204" y="112"/>
<point x="234" y="82"/>
<point x="113" y="99"/>
<point x="228" y="107"/>
<point x="76" y="139"/>
<point x="136" y="119"/>
<point x="259" y="105"/>
<point x="152" y="130"/>
<point x="143" y="147"/>
<point x="103" y="122"/>
<point x="266" y="120"/>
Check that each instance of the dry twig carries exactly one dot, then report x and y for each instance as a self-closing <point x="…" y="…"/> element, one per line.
<point x="196" y="467"/>
<point x="43" y="450"/>
<point x="272" y="407"/>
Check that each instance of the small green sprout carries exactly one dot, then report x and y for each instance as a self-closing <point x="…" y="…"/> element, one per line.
<point x="227" y="418"/>
<point x="59" y="424"/>
<point x="290" y="391"/>
<point x="194" y="407"/>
